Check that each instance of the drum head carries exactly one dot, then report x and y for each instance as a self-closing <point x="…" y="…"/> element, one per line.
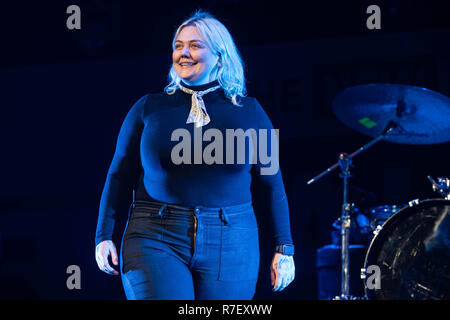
<point x="407" y="269"/>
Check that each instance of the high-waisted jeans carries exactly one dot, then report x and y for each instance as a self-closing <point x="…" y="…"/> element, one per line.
<point x="172" y="252"/>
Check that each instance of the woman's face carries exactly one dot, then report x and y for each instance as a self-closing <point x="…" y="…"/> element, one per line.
<point x="192" y="59"/>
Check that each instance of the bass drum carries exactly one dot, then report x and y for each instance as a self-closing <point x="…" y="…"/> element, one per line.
<point x="407" y="270"/>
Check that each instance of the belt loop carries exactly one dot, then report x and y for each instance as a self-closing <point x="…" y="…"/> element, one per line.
<point x="161" y="210"/>
<point x="223" y="216"/>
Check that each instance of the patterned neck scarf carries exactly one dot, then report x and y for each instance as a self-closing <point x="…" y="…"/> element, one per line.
<point x="198" y="114"/>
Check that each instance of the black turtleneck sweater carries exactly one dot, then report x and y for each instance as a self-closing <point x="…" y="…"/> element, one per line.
<point x="142" y="160"/>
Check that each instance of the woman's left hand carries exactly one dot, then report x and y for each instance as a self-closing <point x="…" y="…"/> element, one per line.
<point x="282" y="271"/>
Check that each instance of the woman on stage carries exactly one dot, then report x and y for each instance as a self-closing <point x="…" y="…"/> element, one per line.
<point x="192" y="232"/>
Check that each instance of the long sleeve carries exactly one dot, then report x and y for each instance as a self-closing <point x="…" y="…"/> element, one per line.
<point x="267" y="175"/>
<point x="123" y="173"/>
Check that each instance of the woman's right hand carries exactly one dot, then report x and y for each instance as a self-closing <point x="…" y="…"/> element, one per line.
<point x="102" y="252"/>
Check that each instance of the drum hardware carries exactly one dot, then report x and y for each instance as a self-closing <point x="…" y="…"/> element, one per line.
<point x="442" y="186"/>
<point x="377" y="230"/>
<point x="363" y="273"/>
<point x="413" y="202"/>
<point x="344" y="163"/>
<point x="380" y="214"/>
<point x="359" y="227"/>
<point x="394" y="113"/>
<point x="363" y="276"/>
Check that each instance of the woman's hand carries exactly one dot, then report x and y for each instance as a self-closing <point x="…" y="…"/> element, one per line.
<point x="102" y="252"/>
<point x="282" y="271"/>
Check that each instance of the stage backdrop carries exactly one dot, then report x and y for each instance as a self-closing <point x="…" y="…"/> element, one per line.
<point x="60" y="121"/>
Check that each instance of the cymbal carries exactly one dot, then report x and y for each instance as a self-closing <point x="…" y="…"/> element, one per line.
<point x="420" y="115"/>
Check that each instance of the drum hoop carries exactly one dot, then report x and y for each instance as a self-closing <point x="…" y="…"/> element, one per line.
<point x="394" y="217"/>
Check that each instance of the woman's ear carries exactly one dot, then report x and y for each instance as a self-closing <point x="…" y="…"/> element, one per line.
<point x="219" y="61"/>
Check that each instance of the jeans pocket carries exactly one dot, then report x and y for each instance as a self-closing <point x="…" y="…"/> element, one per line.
<point x="239" y="252"/>
<point x="146" y="224"/>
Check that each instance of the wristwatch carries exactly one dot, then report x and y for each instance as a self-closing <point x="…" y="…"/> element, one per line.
<point x="286" y="249"/>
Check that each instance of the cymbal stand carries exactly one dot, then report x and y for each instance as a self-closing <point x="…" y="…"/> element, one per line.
<point x="344" y="162"/>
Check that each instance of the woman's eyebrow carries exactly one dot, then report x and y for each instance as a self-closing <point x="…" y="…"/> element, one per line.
<point x="193" y="40"/>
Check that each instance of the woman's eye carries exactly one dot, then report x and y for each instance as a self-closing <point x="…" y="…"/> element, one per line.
<point x="193" y="45"/>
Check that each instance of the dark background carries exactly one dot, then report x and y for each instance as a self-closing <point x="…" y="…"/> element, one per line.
<point x="64" y="94"/>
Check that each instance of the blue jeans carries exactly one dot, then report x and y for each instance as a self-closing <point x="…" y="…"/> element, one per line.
<point x="172" y="252"/>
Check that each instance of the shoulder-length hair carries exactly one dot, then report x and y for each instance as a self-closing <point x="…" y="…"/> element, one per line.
<point x="230" y="74"/>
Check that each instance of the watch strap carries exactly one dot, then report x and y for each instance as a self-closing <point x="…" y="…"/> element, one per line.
<point x="286" y="249"/>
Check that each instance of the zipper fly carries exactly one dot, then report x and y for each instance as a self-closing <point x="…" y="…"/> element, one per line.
<point x="195" y="231"/>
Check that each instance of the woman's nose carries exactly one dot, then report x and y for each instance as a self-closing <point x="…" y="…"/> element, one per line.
<point x="185" y="51"/>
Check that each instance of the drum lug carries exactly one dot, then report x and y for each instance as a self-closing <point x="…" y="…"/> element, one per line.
<point x="377" y="230"/>
<point x="413" y="202"/>
<point x="363" y="273"/>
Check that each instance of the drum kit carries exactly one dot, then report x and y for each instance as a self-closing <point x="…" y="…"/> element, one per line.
<point x="409" y="244"/>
